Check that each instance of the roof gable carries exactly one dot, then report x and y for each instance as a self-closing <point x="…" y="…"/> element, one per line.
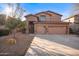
<point x="48" y="12"/>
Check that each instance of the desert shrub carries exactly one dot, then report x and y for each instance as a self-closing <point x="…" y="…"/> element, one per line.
<point x="10" y="41"/>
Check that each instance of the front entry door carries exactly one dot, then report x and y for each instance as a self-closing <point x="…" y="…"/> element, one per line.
<point x="31" y="27"/>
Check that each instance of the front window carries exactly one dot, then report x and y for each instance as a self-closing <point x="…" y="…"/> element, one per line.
<point x="42" y="18"/>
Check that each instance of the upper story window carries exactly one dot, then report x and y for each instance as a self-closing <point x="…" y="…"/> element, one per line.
<point x="42" y="18"/>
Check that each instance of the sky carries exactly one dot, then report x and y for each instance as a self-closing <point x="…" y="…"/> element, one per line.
<point x="61" y="8"/>
<point x="33" y="8"/>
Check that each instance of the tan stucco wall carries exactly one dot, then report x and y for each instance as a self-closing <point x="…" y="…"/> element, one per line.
<point x="32" y="18"/>
<point x="53" y="17"/>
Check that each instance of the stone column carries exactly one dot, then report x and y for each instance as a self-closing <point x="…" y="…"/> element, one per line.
<point x="27" y="27"/>
<point x="68" y="29"/>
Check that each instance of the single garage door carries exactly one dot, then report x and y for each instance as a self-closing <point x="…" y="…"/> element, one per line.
<point x="57" y="30"/>
<point x="40" y="30"/>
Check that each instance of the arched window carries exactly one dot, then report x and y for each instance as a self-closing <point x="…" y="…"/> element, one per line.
<point x="42" y="18"/>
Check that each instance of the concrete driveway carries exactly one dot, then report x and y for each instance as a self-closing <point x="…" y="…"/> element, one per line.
<point x="54" y="45"/>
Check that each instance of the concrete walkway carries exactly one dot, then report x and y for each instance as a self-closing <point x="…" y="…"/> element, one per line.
<point x="54" y="45"/>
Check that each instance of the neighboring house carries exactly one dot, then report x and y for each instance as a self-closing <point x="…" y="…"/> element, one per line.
<point x="47" y="22"/>
<point x="2" y="21"/>
<point x="74" y="22"/>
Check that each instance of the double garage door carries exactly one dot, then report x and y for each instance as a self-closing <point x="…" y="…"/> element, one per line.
<point x="51" y="30"/>
<point x="57" y="30"/>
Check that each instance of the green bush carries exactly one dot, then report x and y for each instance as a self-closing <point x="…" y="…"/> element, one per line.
<point x="4" y="32"/>
<point x="70" y="31"/>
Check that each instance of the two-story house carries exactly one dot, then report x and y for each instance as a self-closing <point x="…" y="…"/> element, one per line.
<point x="46" y="22"/>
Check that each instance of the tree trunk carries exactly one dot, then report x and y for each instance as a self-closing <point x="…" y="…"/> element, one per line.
<point x="14" y="33"/>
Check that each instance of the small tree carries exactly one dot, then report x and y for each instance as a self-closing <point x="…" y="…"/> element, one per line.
<point x="14" y="24"/>
<point x="2" y="19"/>
<point x="11" y="24"/>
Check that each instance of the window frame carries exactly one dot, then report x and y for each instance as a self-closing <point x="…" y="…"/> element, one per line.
<point x="42" y="18"/>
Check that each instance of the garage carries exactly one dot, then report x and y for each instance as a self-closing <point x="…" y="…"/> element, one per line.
<point x="53" y="28"/>
<point x="40" y="30"/>
<point x="57" y="30"/>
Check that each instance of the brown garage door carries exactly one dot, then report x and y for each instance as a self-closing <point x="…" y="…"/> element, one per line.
<point x="40" y="30"/>
<point x="57" y="30"/>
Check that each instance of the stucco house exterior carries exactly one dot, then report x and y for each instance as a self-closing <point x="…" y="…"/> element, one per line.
<point x="74" y="22"/>
<point x="46" y="22"/>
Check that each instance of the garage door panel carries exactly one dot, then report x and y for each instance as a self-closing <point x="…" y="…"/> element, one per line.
<point x="57" y="30"/>
<point x="40" y="29"/>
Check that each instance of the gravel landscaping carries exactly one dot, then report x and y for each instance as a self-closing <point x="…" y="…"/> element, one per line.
<point x="17" y="47"/>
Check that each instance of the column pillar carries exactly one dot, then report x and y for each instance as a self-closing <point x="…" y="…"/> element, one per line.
<point x="27" y="27"/>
